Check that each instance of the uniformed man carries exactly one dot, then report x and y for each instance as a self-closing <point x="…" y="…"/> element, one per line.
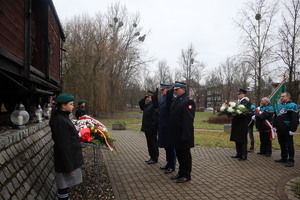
<point x="286" y="121"/>
<point x="81" y="109"/>
<point x="182" y="113"/>
<point x="164" y="133"/>
<point x="239" y="127"/>
<point x="150" y="125"/>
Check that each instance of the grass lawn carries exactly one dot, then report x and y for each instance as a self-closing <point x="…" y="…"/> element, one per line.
<point x="203" y="137"/>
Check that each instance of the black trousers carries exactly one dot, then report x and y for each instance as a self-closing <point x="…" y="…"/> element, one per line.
<point x="185" y="161"/>
<point x="152" y="145"/>
<point x="265" y="142"/>
<point x="286" y="142"/>
<point x="171" y="157"/>
<point x="241" y="148"/>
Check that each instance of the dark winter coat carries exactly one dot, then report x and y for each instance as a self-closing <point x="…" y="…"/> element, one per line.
<point x="265" y="113"/>
<point x="182" y="113"/>
<point x="239" y="125"/>
<point x="286" y="117"/>
<point x="163" y="132"/>
<point x="80" y="112"/>
<point x="150" y="117"/>
<point x="67" y="147"/>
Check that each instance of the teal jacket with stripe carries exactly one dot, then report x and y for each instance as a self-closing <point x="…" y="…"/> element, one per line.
<point x="286" y="117"/>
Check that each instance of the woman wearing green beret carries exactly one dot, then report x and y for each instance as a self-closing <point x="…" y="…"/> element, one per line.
<point x="68" y="157"/>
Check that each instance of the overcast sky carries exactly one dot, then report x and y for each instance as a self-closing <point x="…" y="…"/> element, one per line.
<point x="174" y="25"/>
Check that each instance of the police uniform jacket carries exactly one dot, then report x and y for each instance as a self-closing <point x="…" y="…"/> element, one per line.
<point x="150" y="117"/>
<point x="265" y="113"/>
<point x="163" y="132"/>
<point x="286" y="117"/>
<point x="182" y="113"/>
<point x="239" y="126"/>
<point x="67" y="146"/>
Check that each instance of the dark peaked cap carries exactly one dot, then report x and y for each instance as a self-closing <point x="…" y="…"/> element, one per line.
<point x="241" y="91"/>
<point x="180" y="85"/>
<point x="165" y="86"/>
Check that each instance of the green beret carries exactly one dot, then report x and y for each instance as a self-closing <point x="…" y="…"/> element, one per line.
<point x="81" y="101"/>
<point x="64" y="98"/>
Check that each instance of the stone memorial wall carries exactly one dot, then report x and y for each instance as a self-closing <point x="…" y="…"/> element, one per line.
<point x="26" y="163"/>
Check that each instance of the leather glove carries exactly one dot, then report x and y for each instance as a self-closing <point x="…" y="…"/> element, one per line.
<point x="292" y="133"/>
<point x="253" y="117"/>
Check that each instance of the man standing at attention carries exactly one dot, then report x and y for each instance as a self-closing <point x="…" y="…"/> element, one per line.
<point x="150" y="125"/>
<point x="182" y="113"/>
<point x="286" y="121"/>
<point x="239" y="127"/>
<point x="164" y="133"/>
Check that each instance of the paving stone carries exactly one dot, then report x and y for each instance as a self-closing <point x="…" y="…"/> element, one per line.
<point x="2" y="159"/>
<point x="4" y="193"/>
<point x="215" y="175"/>
<point x="10" y="188"/>
<point x="5" y="156"/>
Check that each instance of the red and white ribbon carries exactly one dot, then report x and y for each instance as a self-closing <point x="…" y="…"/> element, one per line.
<point x="272" y="133"/>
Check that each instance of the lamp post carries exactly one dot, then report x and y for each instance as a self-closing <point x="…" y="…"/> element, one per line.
<point x="19" y="117"/>
<point x="258" y="18"/>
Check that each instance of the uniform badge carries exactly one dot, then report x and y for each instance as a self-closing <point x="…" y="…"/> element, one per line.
<point x="190" y="107"/>
<point x="282" y="111"/>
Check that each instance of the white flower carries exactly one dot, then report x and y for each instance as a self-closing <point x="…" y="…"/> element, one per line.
<point x="223" y="107"/>
<point x="238" y="112"/>
<point x="230" y="109"/>
<point x="241" y="106"/>
<point x="232" y="104"/>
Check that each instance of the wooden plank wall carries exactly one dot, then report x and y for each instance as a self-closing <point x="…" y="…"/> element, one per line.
<point x="12" y="26"/>
<point x="54" y="39"/>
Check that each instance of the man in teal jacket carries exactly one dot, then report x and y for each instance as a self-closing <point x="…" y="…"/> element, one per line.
<point x="286" y="121"/>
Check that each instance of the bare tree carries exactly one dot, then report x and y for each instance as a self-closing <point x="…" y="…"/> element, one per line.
<point x="197" y="90"/>
<point x="190" y="68"/>
<point x="214" y="86"/>
<point x="289" y="52"/>
<point x="257" y="23"/>
<point x="227" y="74"/>
<point x="233" y="74"/>
<point x="163" y="72"/>
<point x="104" y="56"/>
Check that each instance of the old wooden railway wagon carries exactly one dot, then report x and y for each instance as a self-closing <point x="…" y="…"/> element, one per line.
<point x="31" y="39"/>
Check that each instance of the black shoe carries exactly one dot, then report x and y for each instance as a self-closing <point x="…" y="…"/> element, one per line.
<point x="243" y="158"/>
<point x="169" y="170"/>
<point x="251" y="149"/>
<point x="289" y="164"/>
<point x="177" y="176"/>
<point x="147" y="160"/>
<point x="236" y="156"/>
<point x="261" y="153"/>
<point x="183" y="180"/>
<point x="151" y="162"/>
<point x="268" y="154"/>
<point x="163" y="167"/>
<point x="281" y="160"/>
